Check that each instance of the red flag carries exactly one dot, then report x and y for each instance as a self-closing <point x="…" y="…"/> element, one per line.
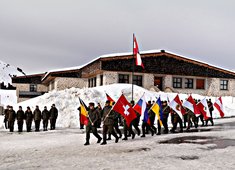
<point x="138" y="60"/>
<point x="191" y="105"/>
<point x="176" y="105"/>
<point x="125" y="109"/>
<point x="219" y="106"/>
<point x="110" y="99"/>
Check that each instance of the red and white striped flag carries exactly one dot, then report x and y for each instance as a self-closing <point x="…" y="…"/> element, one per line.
<point x="191" y="105"/>
<point x="136" y="52"/>
<point x="219" y="106"/>
<point x="204" y="109"/>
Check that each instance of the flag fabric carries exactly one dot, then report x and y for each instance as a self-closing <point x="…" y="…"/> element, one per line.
<point x="204" y="109"/>
<point x="176" y="105"/>
<point x="138" y="60"/>
<point x="110" y="99"/>
<point x="191" y="105"/>
<point x="157" y="109"/>
<point x="125" y="109"/>
<point x="141" y="108"/>
<point x="219" y="106"/>
<point x="83" y="113"/>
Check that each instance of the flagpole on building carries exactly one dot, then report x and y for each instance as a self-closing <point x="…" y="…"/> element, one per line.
<point x="133" y="69"/>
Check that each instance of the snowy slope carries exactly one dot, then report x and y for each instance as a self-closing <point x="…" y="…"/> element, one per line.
<point x="6" y="72"/>
<point x="67" y="100"/>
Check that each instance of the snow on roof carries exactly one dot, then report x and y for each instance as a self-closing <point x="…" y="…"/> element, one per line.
<point x="130" y="53"/>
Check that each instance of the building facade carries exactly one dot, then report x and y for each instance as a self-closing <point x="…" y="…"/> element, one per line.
<point x="163" y="71"/>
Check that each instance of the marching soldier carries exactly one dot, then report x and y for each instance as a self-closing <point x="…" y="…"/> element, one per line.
<point x="166" y="111"/>
<point x="37" y="116"/>
<point x="91" y="125"/>
<point x="28" y="119"/>
<point x="192" y="116"/>
<point x="176" y="120"/>
<point x="11" y="118"/>
<point x="53" y="116"/>
<point x="20" y="119"/>
<point x="136" y="121"/>
<point x="211" y="109"/>
<point x="108" y="122"/>
<point x="45" y="118"/>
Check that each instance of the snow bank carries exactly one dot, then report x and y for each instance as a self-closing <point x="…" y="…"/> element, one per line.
<point x="67" y="100"/>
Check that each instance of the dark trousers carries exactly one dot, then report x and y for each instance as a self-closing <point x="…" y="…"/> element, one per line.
<point x="135" y="124"/>
<point x="92" y="129"/>
<point x="37" y="125"/>
<point x="116" y="128"/>
<point x="6" y="123"/>
<point x="176" y="121"/>
<point x="210" y="119"/>
<point x="52" y="122"/>
<point x="110" y="130"/>
<point x="28" y="125"/>
<point x="165" y="125"/>
<point x="45" y="124"/>
<point x="20" y="125"/>
<point x="11" y="125"/>
<point x="146" y="126"/>
<point x="127" y="129"/>
<point x="185" y="116"/>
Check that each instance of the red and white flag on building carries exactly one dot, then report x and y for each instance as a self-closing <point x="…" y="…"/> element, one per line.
<point x="191" y="105"/>
<point x="219" y="106"/>
<point x="176" y="105"/>
<point x="125" y="109"/>
<point x="138" y="60"/>
<point x="204" y="109"/>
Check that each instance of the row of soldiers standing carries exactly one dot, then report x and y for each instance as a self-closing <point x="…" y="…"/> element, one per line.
<point x="29" y="117"/>
<point x="112" y="119"/>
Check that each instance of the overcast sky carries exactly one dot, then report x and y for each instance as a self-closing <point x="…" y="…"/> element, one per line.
<point x="41" y="35"/>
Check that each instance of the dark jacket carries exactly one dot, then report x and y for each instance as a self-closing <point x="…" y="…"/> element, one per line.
<point x="93" y="116"/>
<point x="45" y="114"/>
<point x="53" y="113"/>
<point x="28" y="116"/>
<point x="20" y="115"/>
<point x="11" y="115"/>
<point x="108" y="116"/>
<point x="37" y="114"/>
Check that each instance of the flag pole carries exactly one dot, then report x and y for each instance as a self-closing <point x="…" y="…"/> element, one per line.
<point x="133" y="69"/>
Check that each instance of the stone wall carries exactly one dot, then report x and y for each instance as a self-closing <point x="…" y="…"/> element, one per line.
<point x="65" y="83"/>
<point x="148" y="81"/>
<point x="110" y="77"/>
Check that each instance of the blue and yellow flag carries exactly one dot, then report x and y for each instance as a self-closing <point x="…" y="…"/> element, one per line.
<point x="157" y="109"/>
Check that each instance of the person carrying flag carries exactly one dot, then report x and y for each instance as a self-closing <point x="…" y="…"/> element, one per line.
<point x="108" y="122"/>
<point x="91" y="124"/>
<point x="211" y="109"/>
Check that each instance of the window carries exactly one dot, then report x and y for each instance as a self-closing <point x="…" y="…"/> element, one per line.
<point x="137" y="80"/>
<point x="177" y="82"/>
<point x="189" y="83"/>
<point x="101" y="80"/>
<point x="32" y="87"/>
<point x="92" y="82"/>
<point x="223" y="84"/>
<point x="200" y="84"/>
<point x="123" y="78"/>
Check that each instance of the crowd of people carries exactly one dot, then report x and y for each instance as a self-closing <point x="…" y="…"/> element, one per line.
<point x="30" y="116"/>
<point x="113" y="120"/>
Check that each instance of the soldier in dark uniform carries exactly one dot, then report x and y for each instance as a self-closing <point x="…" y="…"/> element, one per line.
<point x="211" y="109"/>
<point x="45" y="118"/>
<point x="28" y="119"/>
<point x="11" y="118"/>
<point x="116" y="118"/>
<point x="91" y="126"/>
<point x="53" y="116"/>
<point x="6" y="114"/>
<point x="152" y="116"/>
<point x="108" y="122"/>
<point x="20" y="119"/>
<point x="147" y="126"/>
<point x="166" y="111"/>
<point x="37" y="116"/>
<point x="192" y="116"/>
<point x="99" y="108"/>
<point x="176" y="120"/>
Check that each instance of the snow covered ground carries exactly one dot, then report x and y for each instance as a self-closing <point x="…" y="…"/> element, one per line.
<point x="63" y="148"/>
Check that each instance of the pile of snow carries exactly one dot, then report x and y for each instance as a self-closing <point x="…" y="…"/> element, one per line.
<point x="67" y="101"/>
<point x="8" y="97"/>
<point x="7" y="72"/>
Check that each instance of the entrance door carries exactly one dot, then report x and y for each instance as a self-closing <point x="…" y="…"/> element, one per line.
<point x="158" y="82"/>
